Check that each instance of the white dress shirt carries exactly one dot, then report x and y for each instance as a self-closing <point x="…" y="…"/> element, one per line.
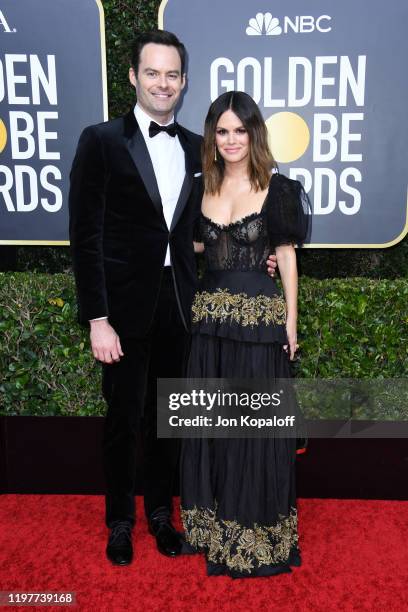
<point x="168" y="161"/>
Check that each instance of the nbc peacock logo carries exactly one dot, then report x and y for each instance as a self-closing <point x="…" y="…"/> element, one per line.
<point x="264" y="24"/>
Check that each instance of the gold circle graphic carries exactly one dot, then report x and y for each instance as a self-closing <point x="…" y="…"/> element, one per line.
<point x="3" y="136"/>
<point x="288" y="136"/>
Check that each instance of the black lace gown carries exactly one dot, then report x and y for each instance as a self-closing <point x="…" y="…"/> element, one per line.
<point x="238" y="501"/>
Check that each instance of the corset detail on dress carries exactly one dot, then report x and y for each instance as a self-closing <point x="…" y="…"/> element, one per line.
<point x="237" y="299"/>
<point x="242" y="245"/>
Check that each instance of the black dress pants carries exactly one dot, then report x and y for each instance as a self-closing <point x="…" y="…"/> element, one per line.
<point x="129" y="388"/>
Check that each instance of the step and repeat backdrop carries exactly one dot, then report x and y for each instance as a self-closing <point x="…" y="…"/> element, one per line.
<point x="52" y="84"/>
<point x="330" y="80"/>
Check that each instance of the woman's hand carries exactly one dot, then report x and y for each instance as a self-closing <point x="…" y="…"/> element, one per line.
<point x="292" y="345"/>
<point x="287" y="265"/>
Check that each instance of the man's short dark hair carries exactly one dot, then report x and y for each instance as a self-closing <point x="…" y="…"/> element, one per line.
<point x="158" y="37"/>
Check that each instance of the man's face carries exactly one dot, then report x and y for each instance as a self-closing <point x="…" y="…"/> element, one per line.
<point x="159" y="81"/>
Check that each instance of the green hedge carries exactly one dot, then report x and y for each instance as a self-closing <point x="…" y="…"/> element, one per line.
<point x="45" y="362"/>
<point x="355" y="328"/>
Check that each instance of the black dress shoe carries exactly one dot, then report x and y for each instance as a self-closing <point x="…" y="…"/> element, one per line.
<point x="119" y="549"/>
<point x="168" y="540"/>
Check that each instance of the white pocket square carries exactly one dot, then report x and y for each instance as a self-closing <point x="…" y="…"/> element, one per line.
<point x="197" y="174"/>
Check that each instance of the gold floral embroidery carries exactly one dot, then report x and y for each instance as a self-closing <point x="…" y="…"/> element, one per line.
<point x="240" y="548"/>
<point x="239" y="307"/>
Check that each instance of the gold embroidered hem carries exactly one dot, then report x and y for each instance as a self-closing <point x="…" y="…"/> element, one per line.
<point x="224" y="306"/>
<point x="240" y="548"/>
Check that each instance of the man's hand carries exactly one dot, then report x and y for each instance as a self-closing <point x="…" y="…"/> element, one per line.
<point x="271" y="264"/>
<point x="105" y="342"/>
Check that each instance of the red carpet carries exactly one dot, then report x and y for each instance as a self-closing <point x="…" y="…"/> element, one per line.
<point x="355" y="557"/>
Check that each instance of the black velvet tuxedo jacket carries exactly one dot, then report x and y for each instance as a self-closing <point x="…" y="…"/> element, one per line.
<point x="118" y="232"/>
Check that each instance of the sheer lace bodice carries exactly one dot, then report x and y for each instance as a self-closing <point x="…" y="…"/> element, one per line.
<point x="242" y="245"/>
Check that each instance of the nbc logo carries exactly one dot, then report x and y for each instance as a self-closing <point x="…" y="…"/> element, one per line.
<point x="264" y="24"/>
<point x="257" y="24"/>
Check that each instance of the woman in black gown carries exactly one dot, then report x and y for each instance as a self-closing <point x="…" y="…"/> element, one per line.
<point x="238" y="501"/>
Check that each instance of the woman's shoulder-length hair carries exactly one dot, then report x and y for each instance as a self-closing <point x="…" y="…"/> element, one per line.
<point x="260" y="162"/>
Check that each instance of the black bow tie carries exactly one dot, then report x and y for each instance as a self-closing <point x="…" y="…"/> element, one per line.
<point x="155" y="128"/>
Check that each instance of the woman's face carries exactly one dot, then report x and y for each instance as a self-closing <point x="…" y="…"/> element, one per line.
<point x="231" y="138"/>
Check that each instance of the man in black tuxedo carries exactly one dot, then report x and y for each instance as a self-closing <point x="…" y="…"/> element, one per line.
<point x="134" y="198"/>
<point x="132" y="211"/>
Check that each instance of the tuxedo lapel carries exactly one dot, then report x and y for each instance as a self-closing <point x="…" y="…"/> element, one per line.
<point x="188" y="179"/>
<point x="138" y="150"/>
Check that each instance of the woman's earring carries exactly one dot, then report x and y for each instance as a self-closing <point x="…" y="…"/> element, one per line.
<point x="215" y="154"/>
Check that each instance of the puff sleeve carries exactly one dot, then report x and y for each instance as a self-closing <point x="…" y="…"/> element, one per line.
<point x="288" y="212"/>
